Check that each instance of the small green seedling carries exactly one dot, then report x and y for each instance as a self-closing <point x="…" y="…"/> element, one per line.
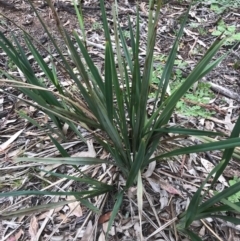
<point x="126" y="34"/>
<point x="236" y="197"/>
<point x="11" y="65"/>
<point x="97" y="26"/>
<point x="228" y="31"/>
<point x="192" y="103"/>
<point x="202" y="31"/>
<point x="219" y="6"/>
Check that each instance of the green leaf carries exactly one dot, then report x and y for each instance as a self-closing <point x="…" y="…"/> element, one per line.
<point x="80" y="19"/>
<point x="215" y="209"/>
<point x="202" y="67"/>
<point x="236" y="36"/>
<point x="94" y="71"/>
<point x="136" y="165"/>
<point x="233" y="142"/>
<point x="124" y="45"/>
<point x="90" y="206"/>
<point x="228" y="152"/>
<point x="64" y="160"/>
<point x="168" y="69"/>
<point x="115" y="210"/>
<point x="233" y="220"/>
<point x="184" y="131"/>
<point x="63" y="152"/>
<point x="90" y="181"/>
<point x="44" y="67"/>
<point x="231" y="205"/>
<point x="231" y="29"/>
<point x="219" y="197"/>
<point x="108" y="82"/>
<point x="193" y="208"/>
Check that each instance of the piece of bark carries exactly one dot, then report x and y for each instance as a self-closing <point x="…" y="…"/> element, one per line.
<point x="226" y="92"/>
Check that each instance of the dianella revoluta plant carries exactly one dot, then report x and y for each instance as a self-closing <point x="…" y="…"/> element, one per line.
<point x="115" y="102"/>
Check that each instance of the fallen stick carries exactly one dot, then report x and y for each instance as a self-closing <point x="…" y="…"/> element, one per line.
<point x="223" y="91"/>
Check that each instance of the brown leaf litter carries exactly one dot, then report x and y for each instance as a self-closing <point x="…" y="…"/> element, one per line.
<point x="168" y="186"/>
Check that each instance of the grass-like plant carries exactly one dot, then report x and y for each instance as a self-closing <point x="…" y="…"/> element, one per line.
<point x="116" y="104"/>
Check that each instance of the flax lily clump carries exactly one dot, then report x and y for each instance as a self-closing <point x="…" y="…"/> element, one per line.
<point x="116" y="104"/>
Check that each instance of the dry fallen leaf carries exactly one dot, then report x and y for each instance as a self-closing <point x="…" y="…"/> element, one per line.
<point x="138" y="231"/>
<point x="193" y="15"/>
<point x="44" y="215"/>
<point x="33" y="228"/>
<point x="101" y="237"/>
<point x="104" y="217"/>
<point x="202" y="231"/>
<point x="19" y="234"/>
<point x="1" y="104"/>
<point x="143" y="8"/>
<point x="111" y="231"/>
<point x="11" y="238"/>
<point x="230" y="172"/>
<point x="95" y="171"/>
<point x="88" y="236"/>
<point x="166" y="186"/>
<point x="90" y="153"/>
<point x="209" y="166"/>
<point x="156" y="184"/>
<point x="65" y="128"/>
<point x="5" y="145"/>
<point x="150" y="169"/>
<point x="229" y="125"/>
<point x="75" y="207"/>
<point x="63" y="218"/>
<point x="132" y="191"/>
<point x="164" y="199"/>
<point x="67" y="23"/>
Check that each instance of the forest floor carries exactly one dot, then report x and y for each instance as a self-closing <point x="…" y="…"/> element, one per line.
<point x="213" y="104"/>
